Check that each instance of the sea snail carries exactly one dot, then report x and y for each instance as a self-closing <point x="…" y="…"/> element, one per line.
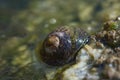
<point x="61" y="46"/>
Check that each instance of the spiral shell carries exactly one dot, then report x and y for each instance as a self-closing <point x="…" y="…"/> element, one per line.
<point x="61" y="46"/>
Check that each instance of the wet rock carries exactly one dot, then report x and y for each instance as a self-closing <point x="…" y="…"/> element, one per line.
<point x="97" y="60"/>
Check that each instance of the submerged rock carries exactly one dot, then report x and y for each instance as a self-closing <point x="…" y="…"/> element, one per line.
<point x="99" y="59"/>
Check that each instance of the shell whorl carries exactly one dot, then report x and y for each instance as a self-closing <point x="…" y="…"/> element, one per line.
<point x="61" y="46"/>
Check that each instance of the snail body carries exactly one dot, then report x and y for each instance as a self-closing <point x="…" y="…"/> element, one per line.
<point x="62" y="45"/>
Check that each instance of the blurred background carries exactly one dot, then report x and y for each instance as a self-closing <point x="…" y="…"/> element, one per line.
<point x="25" y="22"/>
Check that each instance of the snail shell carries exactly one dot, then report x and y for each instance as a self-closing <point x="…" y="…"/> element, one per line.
<point x="62" y="45"/>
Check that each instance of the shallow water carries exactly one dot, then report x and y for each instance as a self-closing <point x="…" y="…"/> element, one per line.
<point x="24" y="23"/>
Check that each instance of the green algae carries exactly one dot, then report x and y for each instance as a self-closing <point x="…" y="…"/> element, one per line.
<point x="24" y="23"/>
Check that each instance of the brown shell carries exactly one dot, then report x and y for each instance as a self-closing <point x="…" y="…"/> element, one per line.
<point x="71" y="40"/>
